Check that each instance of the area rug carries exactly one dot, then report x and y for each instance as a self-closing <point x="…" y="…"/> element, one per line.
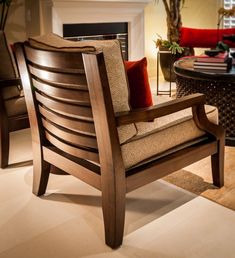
<point x="197" y="179"/>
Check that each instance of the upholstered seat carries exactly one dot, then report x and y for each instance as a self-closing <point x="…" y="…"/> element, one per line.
<point x="164" y="133"/>
<point x="81" y="123"/>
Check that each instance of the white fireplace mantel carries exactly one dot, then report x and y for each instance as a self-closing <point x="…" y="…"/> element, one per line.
<point x="55" y="13"/>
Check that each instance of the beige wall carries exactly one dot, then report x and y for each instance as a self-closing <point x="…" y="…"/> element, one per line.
<point x="15" y="26"/>
<point x="32" y="18"/>
<point x="196" y="14"/>
<point x="24" y="21"/>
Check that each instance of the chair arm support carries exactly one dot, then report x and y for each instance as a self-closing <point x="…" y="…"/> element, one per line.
<point x="202" y="122"/>
<point x="166" y="108"/>
<point x="10" y="82"/>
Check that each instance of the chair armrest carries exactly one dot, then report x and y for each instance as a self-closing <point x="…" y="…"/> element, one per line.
<point x="166" y="108"/>
<point x="195" y="101"/>
<point x="10" y="82"/>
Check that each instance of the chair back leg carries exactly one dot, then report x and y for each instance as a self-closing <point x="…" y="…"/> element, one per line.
<point x="41" y="172"/>
<point x="113" y="206"/>
<point x="4" y="143"/>
<point x="217" y="165"/>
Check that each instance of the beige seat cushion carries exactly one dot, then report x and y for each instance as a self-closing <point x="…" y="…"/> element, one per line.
<point x="162" y="134"/>
<point x="115" y="70"/>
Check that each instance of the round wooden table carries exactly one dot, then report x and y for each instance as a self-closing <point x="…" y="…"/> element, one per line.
<point x="218" y="87"/>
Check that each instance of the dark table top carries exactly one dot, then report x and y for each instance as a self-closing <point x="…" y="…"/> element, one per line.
<point x="184" y="67"/>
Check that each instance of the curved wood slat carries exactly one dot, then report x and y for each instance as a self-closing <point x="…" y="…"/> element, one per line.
<point x="71" y="137"/>
<point x="75" y="151"/>
<point x="68" y="95"/>
<point x="59" y="78"/>
<point x="80" y="126"/>
<point x="65" y="108"/>
<point x="56" y="59"/>
<point x="74" y="168"/>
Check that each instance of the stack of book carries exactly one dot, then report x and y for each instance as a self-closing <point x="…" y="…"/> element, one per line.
<point x="219" y="63"/>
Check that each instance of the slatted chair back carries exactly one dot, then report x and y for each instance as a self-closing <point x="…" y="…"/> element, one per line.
<point x="63" y="102"/>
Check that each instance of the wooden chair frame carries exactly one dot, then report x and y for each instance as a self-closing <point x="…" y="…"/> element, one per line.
<point x="108" y="173"/>
<point x="8" y="78"/>
<point x="9" y="124"/>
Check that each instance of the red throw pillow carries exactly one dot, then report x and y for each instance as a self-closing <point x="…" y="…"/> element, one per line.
<point x="140" y="93"/>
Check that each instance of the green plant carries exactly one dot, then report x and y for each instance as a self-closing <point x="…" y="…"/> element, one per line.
<point x="5" y="5"/>
<point x="222" y="12"/>
<point x="174" y="47"/>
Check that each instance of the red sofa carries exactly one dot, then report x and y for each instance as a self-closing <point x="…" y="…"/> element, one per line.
<point x="204" y="38"/>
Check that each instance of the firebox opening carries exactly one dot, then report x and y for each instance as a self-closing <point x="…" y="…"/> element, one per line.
<point x="99" y="31"/>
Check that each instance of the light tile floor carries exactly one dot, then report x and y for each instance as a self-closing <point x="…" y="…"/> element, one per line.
<point x="162" y="221"/>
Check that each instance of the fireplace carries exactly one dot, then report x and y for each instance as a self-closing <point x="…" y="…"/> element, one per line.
<point x="57" y="13"/>
<point x="99" y="31"/>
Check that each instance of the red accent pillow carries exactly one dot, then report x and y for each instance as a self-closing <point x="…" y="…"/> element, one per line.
<point x="140" y="93"/>
<point x="204" y="38"/>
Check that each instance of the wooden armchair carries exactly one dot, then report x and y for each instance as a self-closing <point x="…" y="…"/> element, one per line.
<point x="12" y="103"/>
<point x="76" y="129"/>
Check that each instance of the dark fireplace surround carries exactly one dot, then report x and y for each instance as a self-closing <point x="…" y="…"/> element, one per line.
<point x="99" y="31"/>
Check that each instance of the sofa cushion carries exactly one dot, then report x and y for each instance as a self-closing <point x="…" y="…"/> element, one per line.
<point x="140" y="92"/>
<point x="15" y="106"/>
<point x="114" y="65"/>
<point x="162" y="134"/>
<point x="204" y="38"/>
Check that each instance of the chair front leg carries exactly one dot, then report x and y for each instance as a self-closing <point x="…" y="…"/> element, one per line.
<point x="113" y="206"/>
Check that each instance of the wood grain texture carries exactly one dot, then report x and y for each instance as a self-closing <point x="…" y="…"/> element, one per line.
<point x="77" y="125"/>
<point x="113" y="183"/>
<point x="62" y="60"/>
<point x="76" y="132"/>
<point x="79" y="95"/>
<point x="216" y="131"/>
<point x="75" y="151"/>
<point x="163" y="109"/>
<point x="69" y="136"/>
<point x="70" y="110"/>
<point x="58" y="78"/>
<point x="41" y="168"/>
<point x="73" y="168"/>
